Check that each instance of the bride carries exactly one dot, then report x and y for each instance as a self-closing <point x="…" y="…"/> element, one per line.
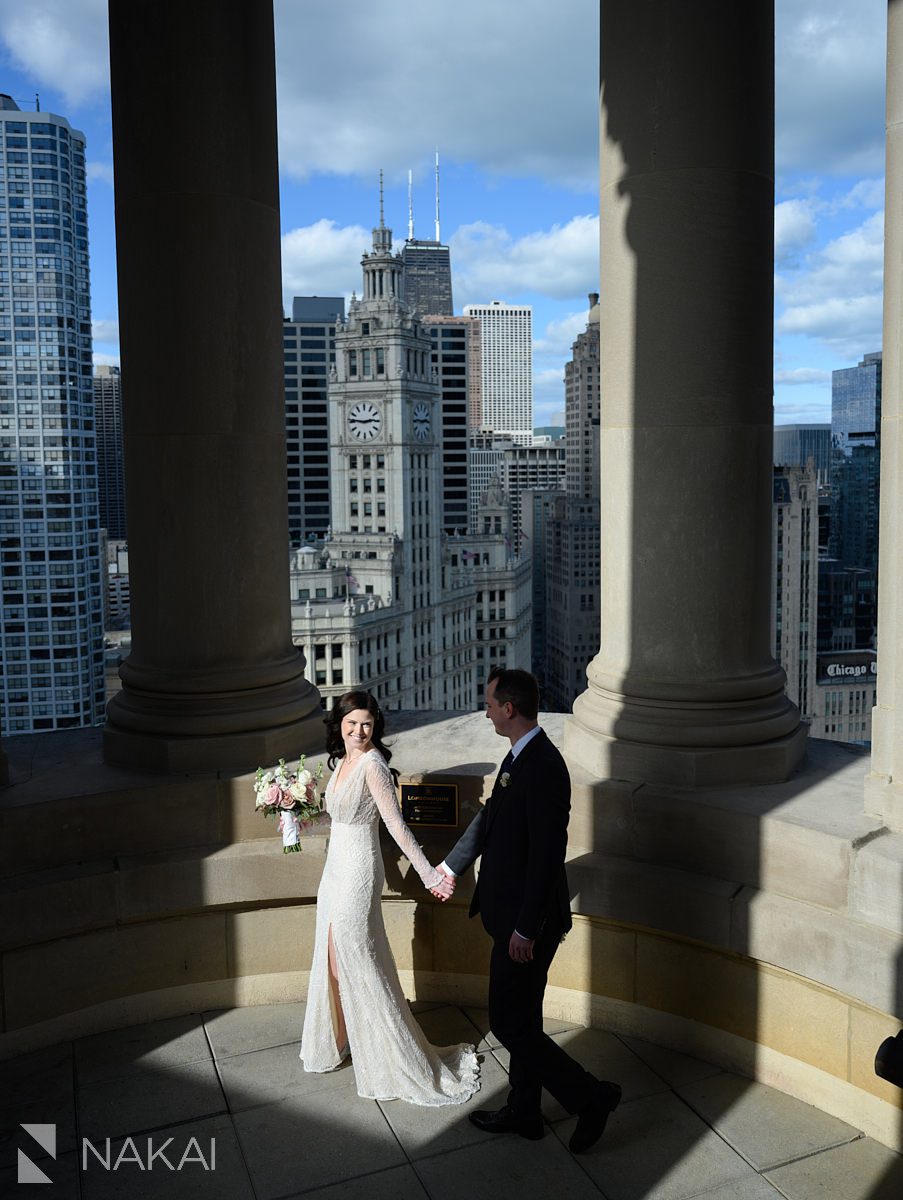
<point x="355" y="1004"/>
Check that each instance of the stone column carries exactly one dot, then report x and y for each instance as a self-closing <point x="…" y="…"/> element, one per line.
<point x="884" y="783"/>
<point x="684" y="689"/>
<point x="213" y="679"/>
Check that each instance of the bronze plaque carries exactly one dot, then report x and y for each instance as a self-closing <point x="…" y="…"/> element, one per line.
<point x="430" y="804"/>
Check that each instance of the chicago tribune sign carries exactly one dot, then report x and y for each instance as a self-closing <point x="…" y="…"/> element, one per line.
<point x="142" y="1154"/>
<point x="847" y="667"/>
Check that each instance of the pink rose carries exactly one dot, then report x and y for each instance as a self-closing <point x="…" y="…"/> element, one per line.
<point x="273" y="794"/>
<point x="287" y="800"/>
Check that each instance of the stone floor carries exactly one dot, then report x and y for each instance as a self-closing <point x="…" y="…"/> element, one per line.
<point x="685" y="1128"/>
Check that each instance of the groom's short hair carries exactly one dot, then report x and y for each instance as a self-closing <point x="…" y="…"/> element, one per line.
<point x="516" y="687"/>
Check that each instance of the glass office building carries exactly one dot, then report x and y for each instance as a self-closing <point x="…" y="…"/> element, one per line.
<point x="51" y="625"/>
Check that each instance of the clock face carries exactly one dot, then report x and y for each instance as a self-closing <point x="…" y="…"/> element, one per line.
<point x="364" y="421"/>
<point x="421" y="420"/>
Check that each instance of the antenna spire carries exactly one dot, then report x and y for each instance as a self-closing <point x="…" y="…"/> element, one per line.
<point x="382" y="221"/>
<point x="410" y="206"/>
<point x="438" y="239"/>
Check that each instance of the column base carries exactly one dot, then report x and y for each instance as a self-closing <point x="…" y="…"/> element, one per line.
<point x="214" y="752"/>
<point x="884" y="800"/>
<point x="610" y="757"/>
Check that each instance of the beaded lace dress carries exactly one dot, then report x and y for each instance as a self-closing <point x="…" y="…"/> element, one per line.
<point x="391" y="1056"/>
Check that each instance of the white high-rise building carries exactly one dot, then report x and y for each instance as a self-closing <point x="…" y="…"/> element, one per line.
<point x="51" y="620"/>
<point x="506" y="341"/>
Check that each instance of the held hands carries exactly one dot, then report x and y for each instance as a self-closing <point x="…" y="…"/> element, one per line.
<point x="520" y="949"/>
<point x="444" y="890"/>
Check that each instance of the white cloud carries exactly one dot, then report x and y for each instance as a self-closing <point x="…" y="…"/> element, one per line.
<point x="560" y="262"/>
<point x="323" y="259"/>
<point x="867" y="193"/>
<point x="61" y="44"/>
<point x="829" y="85"/>
<point x="806" y="410"/>
<point x="561" y="334"/>
<point x="100" y="171"/>
<point x="548" y="395"/>
<point x="369" y="86"/>
<point x="794" y="228"/>
<point x="838" y="299"/>
<point x="796" y="376"/>
<point x="106" y="360"/>
<point x="105" y="330"/>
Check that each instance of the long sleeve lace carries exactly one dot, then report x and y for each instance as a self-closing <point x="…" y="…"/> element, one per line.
<point x="382" y="789"/>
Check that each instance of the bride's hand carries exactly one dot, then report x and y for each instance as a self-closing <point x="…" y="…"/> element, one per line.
<point x="445" y="888"/>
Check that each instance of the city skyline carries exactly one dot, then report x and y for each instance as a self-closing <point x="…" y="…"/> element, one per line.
<point x="519" y="183"/>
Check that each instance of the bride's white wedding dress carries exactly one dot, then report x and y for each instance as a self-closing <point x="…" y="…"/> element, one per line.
<point x="392" y="1058"/>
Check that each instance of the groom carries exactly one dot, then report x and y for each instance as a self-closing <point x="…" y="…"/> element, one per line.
<point x="522" y="897"/>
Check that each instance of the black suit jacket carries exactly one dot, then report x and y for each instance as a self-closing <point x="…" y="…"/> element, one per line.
<point x="521" y="834"/>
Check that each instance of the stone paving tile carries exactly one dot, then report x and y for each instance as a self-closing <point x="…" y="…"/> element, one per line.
<point x="419" y="1006"/>
<point x="241" y="1030"/>
<point x="606" y="1057"/>
<point x="57" y="1109"/>
<point x="63" y="1176"/>
<point x="507" y="1168"/>
<point x="447" y="1026"/>
<point x="754" y="1188"/>
<point x="423" y="1131"/>
<point x="304" y="1142"/>
<point x="149" y="1098"/>
<point x="37" y="1075"/>
<point x="267" y="1076"/>
<point x="480" y="1018"/>
<point x="158" y="1044"/>
<point x="228" y="1180"/>
<point x="657" y="1149"/>
<point x="396" y="1183"/>
<point x="675" y="1068"/>
<point x="860" y="1170"/>
<point x="764" y="1125"/>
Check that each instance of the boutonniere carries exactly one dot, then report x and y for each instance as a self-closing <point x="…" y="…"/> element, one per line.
<point x="505" y="779"/>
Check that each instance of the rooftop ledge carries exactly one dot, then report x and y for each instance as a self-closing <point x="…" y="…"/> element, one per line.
<point x="794" y="874"/>
<point x="759" y="926"/>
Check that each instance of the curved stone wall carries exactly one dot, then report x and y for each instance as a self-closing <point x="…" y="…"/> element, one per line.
<point x="760" y="929"/>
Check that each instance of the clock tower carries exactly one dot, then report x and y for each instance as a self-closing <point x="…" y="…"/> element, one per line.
<point x="385" y="468"/>
<point x="384" y="402"/>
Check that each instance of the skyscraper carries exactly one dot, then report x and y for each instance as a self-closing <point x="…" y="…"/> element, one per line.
<point x="853" y="537"/>
<point x="308" y="341"/>
<point x="108" y="430"/>
<point x="457" y="364"/>
<point x="506" y="341"/>
<point x="571" y="557"/>
<point x="51" y="624"/>
<point x="426" y="271"/>
<point x="794" y="445"/>
<point x="426" y="266"/>
<point x="856" y="404"/>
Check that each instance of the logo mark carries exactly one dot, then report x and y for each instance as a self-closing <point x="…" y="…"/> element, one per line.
<point x="29" y="1172"/>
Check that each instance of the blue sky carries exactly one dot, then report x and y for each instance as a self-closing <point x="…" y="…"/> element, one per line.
<point x="512" y="106"/>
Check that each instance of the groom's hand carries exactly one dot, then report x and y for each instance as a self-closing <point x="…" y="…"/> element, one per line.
<point x="520" y="949"/>
<point x="444" y="890"/>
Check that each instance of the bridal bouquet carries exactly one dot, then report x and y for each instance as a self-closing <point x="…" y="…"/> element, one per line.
<point x="293" y="796"/>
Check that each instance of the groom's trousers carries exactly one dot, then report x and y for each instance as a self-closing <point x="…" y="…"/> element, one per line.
<point x="515" y="1016"/>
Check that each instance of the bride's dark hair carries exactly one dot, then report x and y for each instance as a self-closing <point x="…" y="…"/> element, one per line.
<point x="333" y="722"/>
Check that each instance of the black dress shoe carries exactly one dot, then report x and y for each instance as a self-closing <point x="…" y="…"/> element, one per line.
<point x="591" y="1120"/>
<point x="503" y="1120"/>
